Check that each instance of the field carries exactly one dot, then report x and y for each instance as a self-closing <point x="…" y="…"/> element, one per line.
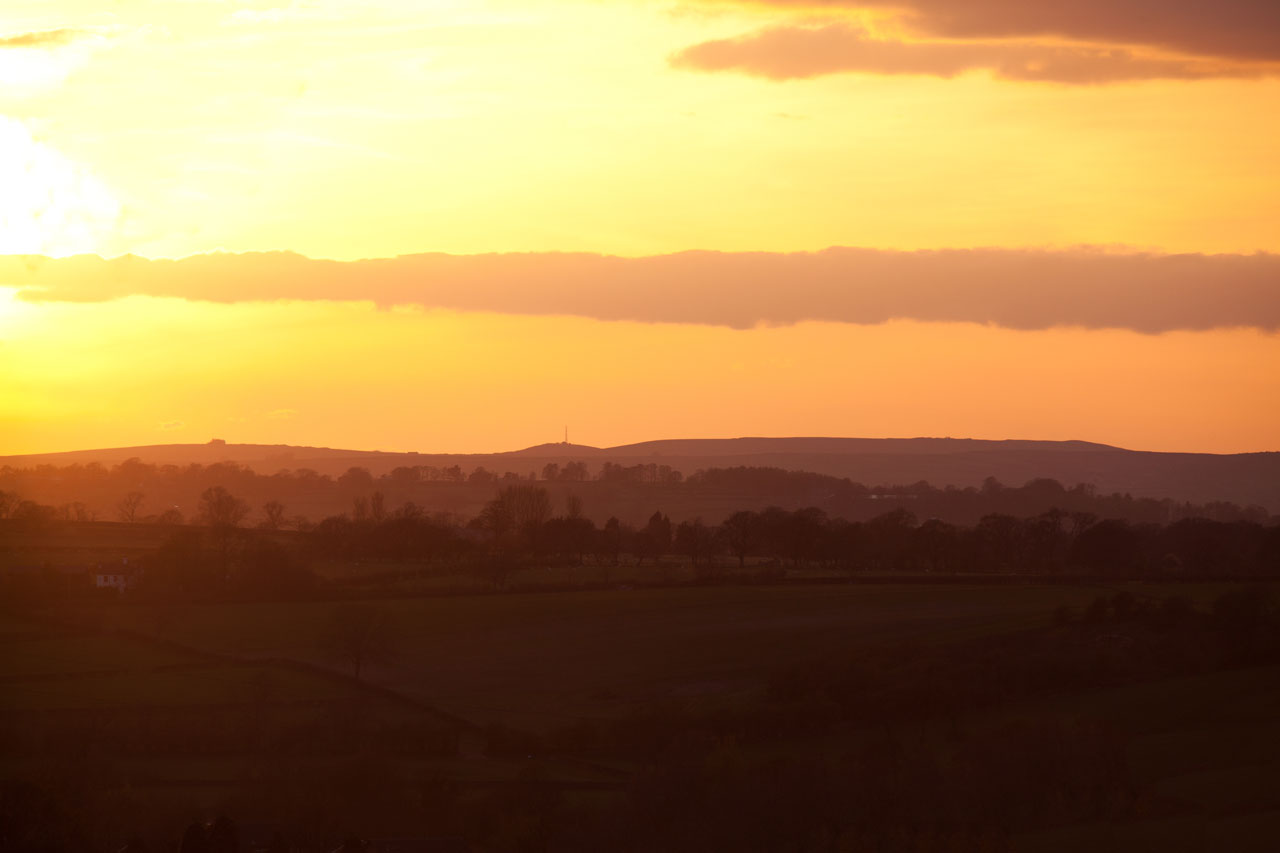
<point x="190" y="696"/>
<point x="1207" y="749"/>
<point x="544" y="660"/>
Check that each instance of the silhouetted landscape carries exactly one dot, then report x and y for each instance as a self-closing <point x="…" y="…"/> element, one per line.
<point x="567" y="648"/>
<point x="688" y="477"/>
<point x="710" y="426"/>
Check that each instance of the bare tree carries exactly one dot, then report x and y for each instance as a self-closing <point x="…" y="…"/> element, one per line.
<point x="740" y="532"/>
<point x="220" y="509"/>
<point x="128" y="506"/>
<point x="273" y="516"/>
<point x="77" y="511"/>
<point x="360" y="508"/>
<point x="223" y="512"/>
<point x="357" y="635"/>
<point x="171" y="516"/>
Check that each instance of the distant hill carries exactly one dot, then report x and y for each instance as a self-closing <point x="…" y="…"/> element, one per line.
<point x="1244" y="478"/>
<point x="908" y="446"/>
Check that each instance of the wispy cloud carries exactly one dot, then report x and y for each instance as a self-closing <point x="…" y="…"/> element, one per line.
<point x="281" y="414"/>
<point x="788" y="52"/>
<point x="1014" y="288"/>
<point x="42" y="38"/>
<point x="33" y="62"/>
<point x="170" y="426"/>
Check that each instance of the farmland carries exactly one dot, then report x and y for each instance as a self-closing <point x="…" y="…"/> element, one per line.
<point x="541" y="660"/>
<point x="193" y="708"/>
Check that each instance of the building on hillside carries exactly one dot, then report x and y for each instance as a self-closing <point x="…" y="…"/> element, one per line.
<point x="118" y="577"/>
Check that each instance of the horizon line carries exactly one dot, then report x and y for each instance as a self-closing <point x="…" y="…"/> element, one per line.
<point x="553" y="444"/>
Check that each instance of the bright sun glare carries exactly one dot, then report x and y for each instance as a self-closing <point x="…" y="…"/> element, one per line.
<point x="50" y="205"/>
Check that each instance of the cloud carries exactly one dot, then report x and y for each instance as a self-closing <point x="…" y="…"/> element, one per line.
<point x="1014" y="288"/>
<point x="281" y="414"/>
<point x="33" y="62"/>
<point x="1245" y="30"/>
<point x="41" y="38"/>
<point x="170" y="426"/>
<point x="788" y="52"/>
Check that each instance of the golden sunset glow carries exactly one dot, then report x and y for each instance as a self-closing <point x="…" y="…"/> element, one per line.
<point x="549" y="426"/>
<point x="369" y="130"/>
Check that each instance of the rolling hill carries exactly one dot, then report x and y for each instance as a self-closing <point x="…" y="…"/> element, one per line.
<point x="1244" y="478"/>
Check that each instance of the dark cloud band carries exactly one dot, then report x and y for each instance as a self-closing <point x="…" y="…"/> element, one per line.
<point x="1245" y="30"/>
<point x="1019" y="289"/>
<point x="787" y="52"/>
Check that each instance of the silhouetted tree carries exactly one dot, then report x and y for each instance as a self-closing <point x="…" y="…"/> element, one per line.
<point x="574" y="472"/>
<point x="694" y="540"/>
<point x="357" y="635"/>
<point x="1111" y="547"/>
<point x="220" y="509"/>
<point x="128" y="506"/>
<point x="741" y="532"/>
<point x="655" y="539"/>
<point x="170" y="517"/>
<point x="356" y="479"/>
<point x="610" y="541"/>
<point x="405" y="476"/>
<point x="480" y="475"/>
<point x="360" y="508"/>
<point x="938" y="542"/>
<point x="272" y="515"/>
<point x="517" y="509"/>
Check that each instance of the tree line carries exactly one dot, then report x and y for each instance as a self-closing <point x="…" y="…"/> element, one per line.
<point x="519" y="527"/>
<point x="133" y="492"/>
<point x="522" y="528"/>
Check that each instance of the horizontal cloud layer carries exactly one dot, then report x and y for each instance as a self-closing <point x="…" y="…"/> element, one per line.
<point x="789" y="52"/>
<point x="1229" y="29"/>
<point x="1020" y="289"/>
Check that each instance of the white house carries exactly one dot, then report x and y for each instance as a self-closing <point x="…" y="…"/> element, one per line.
<point x="120" y="577"/>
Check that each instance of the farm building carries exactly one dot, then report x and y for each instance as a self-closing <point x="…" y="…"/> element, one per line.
<point x="119" y="577"/>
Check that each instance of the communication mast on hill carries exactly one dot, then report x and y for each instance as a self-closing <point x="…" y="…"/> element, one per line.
<point x="566" y="434"/>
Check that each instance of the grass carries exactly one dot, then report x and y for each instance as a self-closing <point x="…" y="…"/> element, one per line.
<point x="50" y="654"/>
<point x="546" y="660"/>
<point x="1204" y="747"/>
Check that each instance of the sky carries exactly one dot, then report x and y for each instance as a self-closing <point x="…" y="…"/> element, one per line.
<point x="460" y="227"/>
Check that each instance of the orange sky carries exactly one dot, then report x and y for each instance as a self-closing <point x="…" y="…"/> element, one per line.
<point x="635" y="129"/>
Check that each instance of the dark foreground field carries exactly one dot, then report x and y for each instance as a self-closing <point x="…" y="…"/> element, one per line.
<point x="545" y="660"/>
<point x="787" y="717"/>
